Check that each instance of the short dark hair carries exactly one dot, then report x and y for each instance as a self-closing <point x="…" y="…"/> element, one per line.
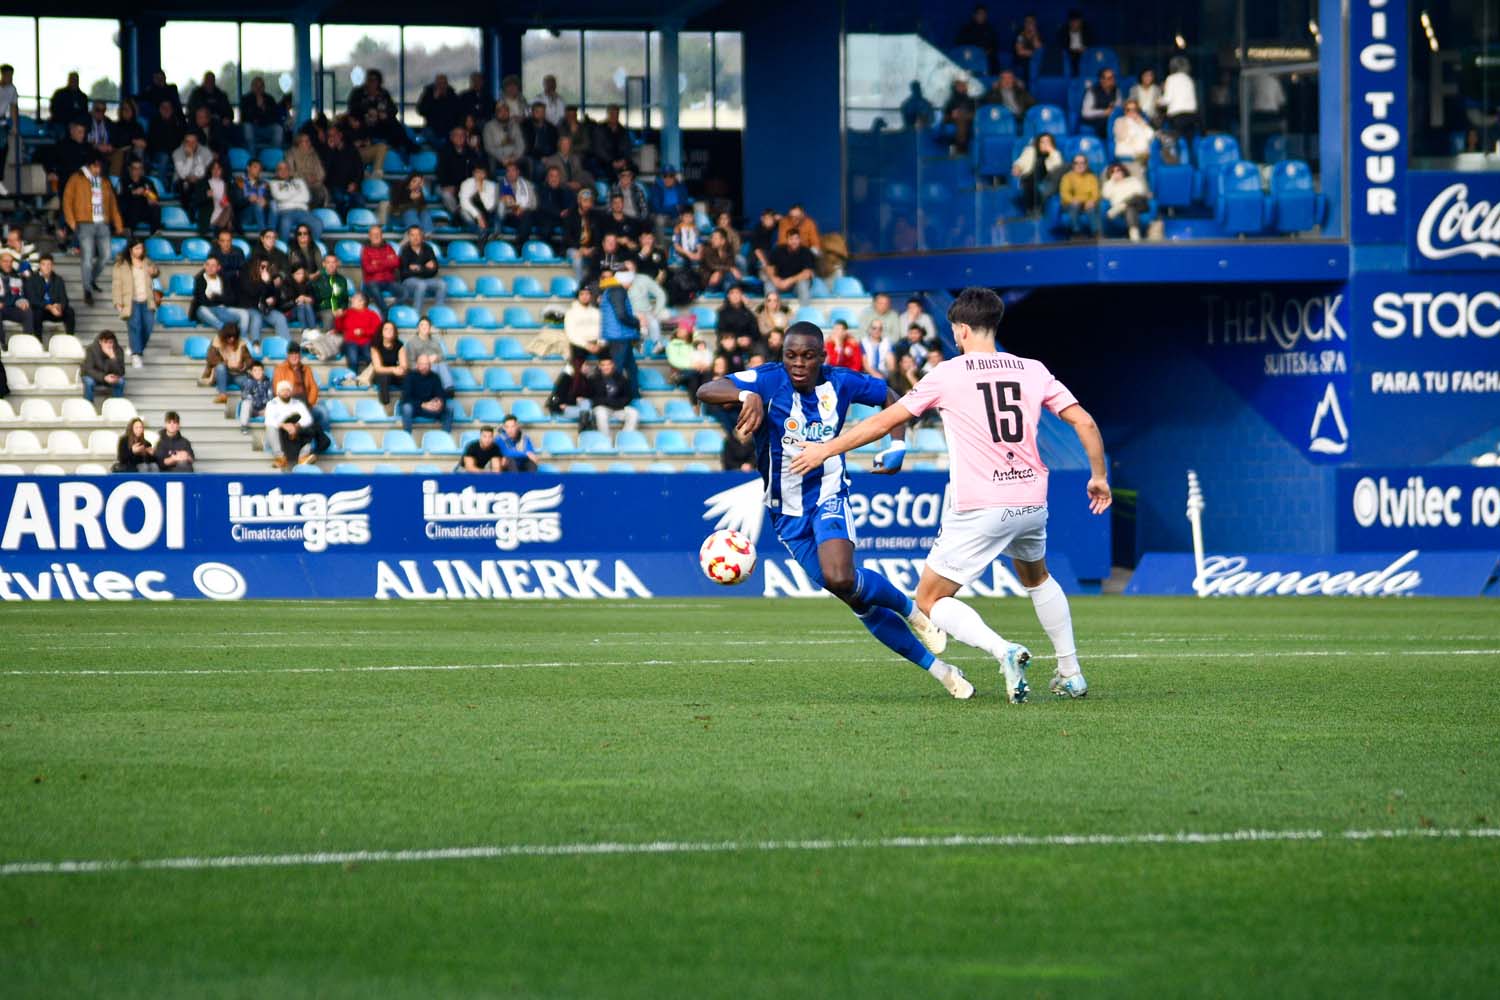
<point x="257" y="363"/>
<point x="803" y="329"/>
<point x="486" y="429"/>
<point x="46" y="256"/>
<point x="171" y="418"/>
<point x="978" y="309"/>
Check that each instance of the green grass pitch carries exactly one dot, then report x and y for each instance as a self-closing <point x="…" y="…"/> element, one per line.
<point x="217" y="732"/>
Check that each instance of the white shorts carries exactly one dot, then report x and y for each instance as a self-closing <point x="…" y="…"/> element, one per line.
<point x="971" y="540"/>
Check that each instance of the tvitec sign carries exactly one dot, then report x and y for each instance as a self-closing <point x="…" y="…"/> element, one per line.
<point x="1458" y="228"/>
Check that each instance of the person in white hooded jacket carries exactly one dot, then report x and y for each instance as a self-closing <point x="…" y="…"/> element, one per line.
<point x="479" y="201"/>
<point x="648" y="300"/>
<point x="1127" y="195"/>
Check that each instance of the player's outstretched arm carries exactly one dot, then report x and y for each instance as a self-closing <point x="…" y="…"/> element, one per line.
<point x="1093" y="444"/>
<point x="722" y="392"/>
<point x="867" y="430"/>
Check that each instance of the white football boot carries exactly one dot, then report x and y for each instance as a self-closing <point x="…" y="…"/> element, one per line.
<point x="957" y="684"/>
<point x="1013" y="663"/>
<point x="928" y="634"/>
<point x="1069" y="687"/>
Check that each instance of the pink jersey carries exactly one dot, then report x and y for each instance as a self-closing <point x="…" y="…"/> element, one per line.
<point x="991" y="404"/>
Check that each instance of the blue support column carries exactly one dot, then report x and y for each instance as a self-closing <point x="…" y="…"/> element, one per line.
<point x="489" y="60"/>
<point x="302" y="43"/>
<point x="129" y="60"/>
<point x="671" y="100"/>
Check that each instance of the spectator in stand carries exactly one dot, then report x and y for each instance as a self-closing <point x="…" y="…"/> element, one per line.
<point x="1038" y="167"/>
<point x="304" y="253"/>
<point x="304" y="383"/>
<point x="917" y="111"/>
<point x="915" y="346"/>
<point x="373" y="106"/>
<point x="231" y="259"/>
<point x="216" y="210"/>
<point x="103" y="367"/>
<point x="10" y="100"/>
<point x="228" y="358"/>
<point x="359" y="325"/>
<point x="427" y="342"/>
<point x="669" y="196"/>
<point x="72" y="152"/>
<point x="133" y="297"/>
<point x="569" y="165"/>
<point x="611" y="392"/>
<point x="330" y="293"/>
<point x="551" y="101"/>
<point x="266" y="249"/>
<point x="618" y="223"/>
<point x="583" y="232"/>
<point x="611" y="257"/>
<point x="127" y="136"/>
<point x="163" y="137"/>
<point x="796" y="219"/>
<point x="541" y="135"/>
<point x="303" y="163"/>
<point x="685" y="238"/>
<point x="618" y="324"/>
<point x="772" y="316"/>
<point x="876" y="350"/>
<point x="517" y="446"/>
<point x="173" y="453"/>
<point x="419" y="271"/>
<point x="260" y="118"/>
<point x="1027" y="50"/>
<point x="842" y="348"/>
<point x="555" y="204"/>
<point x="648" y="300"/>
<point x="980" y="33"/>
<point x="1099" y="101"/>
<point x="579" y="132"/>
<point x="474" y="101"/>
<point x="478" y="203"/>
<point x="735" y="317"/>
<point x="91" y="211"/>
<point x="216" y="301"/>
<point x="1128" y="196"/>
<point x="99" y="133"/>
<point x="440" y="109"/>
<point x="1147" y="94"/>
<point x="15" y="306"/>
<point x="212" y="134"/>
<point x="410" y="206"/>
<point x="387" y="361"/>
<point x="159" y="91"/>
<point x="290" y="427"/>
<point x="958" y="111"/>
<point x="880" y="311"/>
<point x="208" y="95"/>
<point x="456" y="163"/>
<point x="636" y="203"/>
<point x="650" y="261"/>
<point x="763" y="239"/>
<point x="914" y="315"/>
<point x="69" y="104"/>
<point x="379" y="267"/>
<point x="581" y="327"/>
<point x="483" y="454"/>
<point x="190" y="163"/>
<point x="1011" y="94"/>
<point x="732" y="237"/>
<point x="1179" y="99"/>
<point x="1073" y="40"/>
<point x="906" y="376"/>
<point x="424" y="397"/>
<point x="48" y="294"/>
<point x="690" y="359"/>
<point x="299" y="302"/>
<point x="610" y="144"/>
<point x="371" y="152"/>
<point x="133" y="453"/>
<point x="504" y="142"/>
<point x="791" y="267"/>
<point x="262" y="297"/>
<point x="253" y="196"/>
<point x="1079" y="195"/>
<point x="1133" y="135"/>
<point x="343" y="173"/>
<point x="718" y="265"/>
<point x="255" y="393"/>
<point x="518" y="203"/>
<point x="15" y="246"/>
<point x="510" y="93"/>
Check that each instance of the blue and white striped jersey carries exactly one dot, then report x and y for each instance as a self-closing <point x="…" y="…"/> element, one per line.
<point x="794" y="418"/>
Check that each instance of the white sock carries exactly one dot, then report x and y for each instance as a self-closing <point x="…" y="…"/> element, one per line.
<point x="964" y="624"/>
<point x="1051" y="606"/>
<point x="939" y="670"/>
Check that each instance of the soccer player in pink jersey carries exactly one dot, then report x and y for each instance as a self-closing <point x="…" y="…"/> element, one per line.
<point x="991" y="403"/>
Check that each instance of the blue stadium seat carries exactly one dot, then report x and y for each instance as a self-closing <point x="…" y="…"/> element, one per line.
<point x="330" y="219"/>
<point x="274" y="348"/>
<point x="490" y="287"/>
<point x="706" y="318"/>
<point x="648" y="411"/>
<point x="564" y="286"/>
<point x="472" y="349"/>
<point x="361" y="443"/>
<point x="337" y="412"/>
<point x="307" y="470"/>
<point x="1096" y="59"/>
<point x="347" y="251"/>
<point x="387" y="469"/>
<point x="1276" y="148"/>
<point x="810" y="314"/>
<point x="405" y="317"/>
<point x="929" y="439"/>
<point x="375" y="189"/>
<point x="488" y="411"/>
<point x="423" y="161"/>
<point x="1073" y="104"/>
<point x="499" y="380"/>
<point x="440" y="443"/>
<point x="537" y="380"/>
<point x="1090" y="146"/>
<point x="1213" y="154"/>
<point x="680" y="411"/>
<point x="362" y="218"/>
<point x="500" y="252"/>
<point x="559" y="443"/>
<point x="457" y="287"/>
<point x="1045" y="118"/>
<point x="588" y="467"/>
<point x="443" y="317"/>
<point x="848" y="315"/>
<point x="620" y="468"/>
<point x="661" y="467"/>
<point x="463" y="252"/>
<point x="708" y="442"/>
<point x="1241" y="207"/>
<point x="1296" y="206"/>
<point x="270" y="157"/>
<point x="468" y="437"/>
<point x="633" y="443"/>
<point x="369" y="411"/>
<point x="527" y="287"/>
<point x="994" y="119"/>
<point x="595" y="443"/>
<point x="848" y="288"/>
<point x="652" y="380"/>
<point x="394" y="163"/>
<point x="399" y="442"/>
<point x="341" y="378"/>
<point x="1171" y="183"/>
<point x="349" y="469"/>
<point x="195" y="348"/>
<point x="510" y="349"/>
<point x="239" y="159"/>
<point x="428" y="469"/>
<point x="819" y="287"/>
<point x="242" y="246"/>
<point x="537" y="252"/>
<point x="520" y="318"/>
<point x="460" y="415"/>
<point x="159" y="249"/>
<point x="464" y="380"/>
<point x="529" y="411"/>
<point x="172" y="316"/>
<point x="672" y="443"/>
<point x="196" y="250"/>
<point x="180" y="284"/>
<point x="971" y="58"/>
<point x="480" y="318"/>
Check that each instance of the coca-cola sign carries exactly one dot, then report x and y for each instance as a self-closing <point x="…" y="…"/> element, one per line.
<point x="1458" y="227"/>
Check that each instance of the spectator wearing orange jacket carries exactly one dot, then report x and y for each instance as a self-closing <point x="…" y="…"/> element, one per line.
<point x="796" y="218"/>
<point x="90" y="210"/>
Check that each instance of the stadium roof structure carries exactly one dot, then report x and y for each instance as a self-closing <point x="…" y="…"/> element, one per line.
<point x="569" y="13"/>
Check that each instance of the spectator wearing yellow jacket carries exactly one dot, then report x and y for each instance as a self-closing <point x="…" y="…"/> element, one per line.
<point x="1079" y="194"/>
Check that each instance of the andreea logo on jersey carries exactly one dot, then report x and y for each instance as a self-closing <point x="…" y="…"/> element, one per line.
<point x="317" y="520"/>
<point x="511" y="519"/>
<point x="1451" y="227"/>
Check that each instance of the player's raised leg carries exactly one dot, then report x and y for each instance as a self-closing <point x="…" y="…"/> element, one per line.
<point x="935" y="595"/>
<point x="1056" y="618"/>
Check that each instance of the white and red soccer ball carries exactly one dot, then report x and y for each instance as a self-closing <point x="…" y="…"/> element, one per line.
<point x="727" y="557"/>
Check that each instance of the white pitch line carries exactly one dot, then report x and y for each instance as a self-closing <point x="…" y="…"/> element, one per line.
<point x="616" y="849"/>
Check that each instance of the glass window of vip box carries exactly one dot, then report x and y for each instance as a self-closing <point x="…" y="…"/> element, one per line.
<point x="1455" y="84"/>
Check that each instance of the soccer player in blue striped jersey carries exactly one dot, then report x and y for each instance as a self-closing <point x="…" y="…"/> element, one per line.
<point x="798" y="401"/>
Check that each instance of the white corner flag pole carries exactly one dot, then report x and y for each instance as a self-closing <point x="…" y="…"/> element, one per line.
<point x="1195" y="518"/>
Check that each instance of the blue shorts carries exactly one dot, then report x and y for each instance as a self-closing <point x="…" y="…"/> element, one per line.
<point x="802" y="535"/>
